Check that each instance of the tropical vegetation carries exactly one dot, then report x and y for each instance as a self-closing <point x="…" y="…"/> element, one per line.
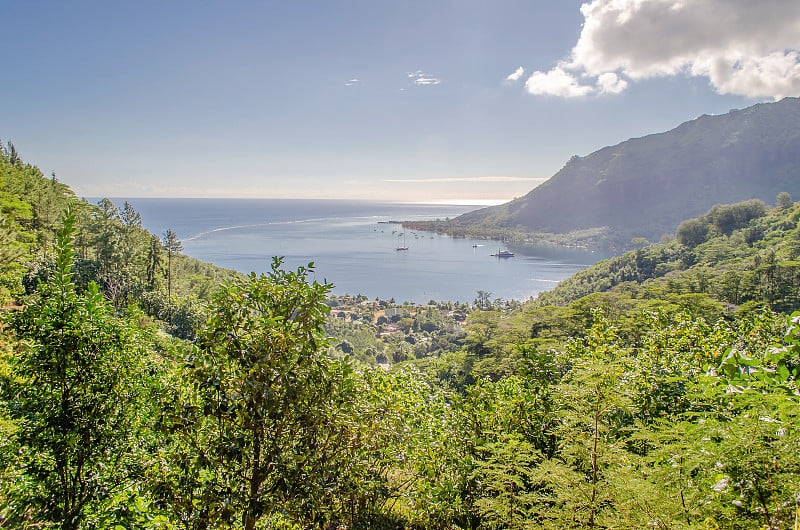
<point x="656" y="389"/>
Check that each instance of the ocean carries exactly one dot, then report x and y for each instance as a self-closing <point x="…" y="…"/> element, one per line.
<point x="353" y="246"/>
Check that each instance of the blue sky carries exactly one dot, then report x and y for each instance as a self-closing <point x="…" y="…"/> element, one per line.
<point x="415" y="100"/>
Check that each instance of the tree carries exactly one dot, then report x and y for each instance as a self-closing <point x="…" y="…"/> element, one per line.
<point x="482" y="302"/>
<point x="10" y="248"/>
<point x="726" y="218"/>
<point x="153" y="261"/>
<point x="508" y="428"/>
<point x="13" y="156"/>
<point x="72" y="395"/>
<point x="504" y="477"/>
<point x="131" y="225"/>
<point x="106" y="240"/>
<point x="783" y="201"/>
<point x="593" y="416"/>
<point x="173" y="245"/>
<point x="262" y="414"/>
<point x="13" y="245"/>
<point x="692" y="232"/>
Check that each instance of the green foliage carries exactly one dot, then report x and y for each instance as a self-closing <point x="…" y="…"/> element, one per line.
<point x="668" y="400"/>
<point x="505" y="478"/>
<point x="783" y="201"/>
<point x="382" y="333"/>
<point x="183" y="317"/>
<point x="258" y="420"/>
<point x="33" y="202"/>
<point x="74" y="394"/>
<point x="595" y="413"/>
<point x="420" y="463"/>
<point x="508" y="428"/>
<point x="742" y="254"/>
<point x="641" y="435"/>
<point x="693" y="232"/>
<point x="153" y="261"/>
<point x="733" y="457"/>
<point x="173" y="246"/>
<point x="725" y="219"/>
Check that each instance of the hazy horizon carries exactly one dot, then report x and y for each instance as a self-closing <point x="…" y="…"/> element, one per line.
<point x="432" y="202"/>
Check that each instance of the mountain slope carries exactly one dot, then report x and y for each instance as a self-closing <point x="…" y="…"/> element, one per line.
<point x="753" y="261"/>
<point x="644" y="187"/>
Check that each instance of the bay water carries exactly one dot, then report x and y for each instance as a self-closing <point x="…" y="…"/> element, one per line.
<point x="353" y="246"/>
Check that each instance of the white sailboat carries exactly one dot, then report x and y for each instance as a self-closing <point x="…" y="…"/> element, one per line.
<point x="404" y="247"/>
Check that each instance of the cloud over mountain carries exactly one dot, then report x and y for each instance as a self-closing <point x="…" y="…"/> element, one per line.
<point x="743" y="47"/>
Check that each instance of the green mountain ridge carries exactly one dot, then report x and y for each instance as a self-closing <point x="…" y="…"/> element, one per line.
<point x="644" y="187"/>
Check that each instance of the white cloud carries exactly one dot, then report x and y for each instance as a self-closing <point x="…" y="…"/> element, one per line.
<point x="516" y="74"/>
<point x="775" y="75"/>
<point x="422" y="79"/>
<point x="743" y="47"/>
<point x="556" y="82"/>
<point x="353" y="82"/>
<point x="610" y="83"/>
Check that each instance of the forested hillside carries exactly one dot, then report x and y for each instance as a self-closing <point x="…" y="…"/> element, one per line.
<point x="737" y="254"/>
<point x="645" y="186"/>
<point x="128" y="263"/>
<point x="725" y="265"/>
<point x="138" y="390"/>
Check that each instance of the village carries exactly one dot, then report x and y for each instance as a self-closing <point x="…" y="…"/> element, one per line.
<point x="383" y="333"/>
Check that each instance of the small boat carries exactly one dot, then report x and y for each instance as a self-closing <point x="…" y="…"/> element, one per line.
<point x="404" y="247"/>
<point x="503" y="254"/>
